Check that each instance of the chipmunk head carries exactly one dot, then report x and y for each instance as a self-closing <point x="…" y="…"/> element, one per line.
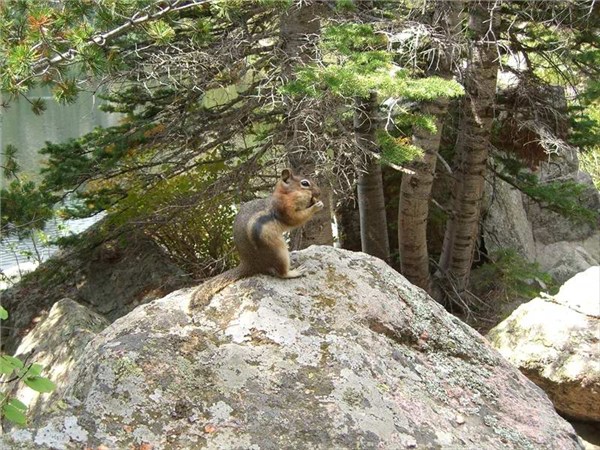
<point x="304" y="191"/>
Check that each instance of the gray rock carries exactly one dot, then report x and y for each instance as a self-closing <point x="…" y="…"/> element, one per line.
<point x="56" y="343"/>
<point x="350" y="356"/>
<point x="582" y="293"/>
<point x="560" y="247"/>
<point x="550" y="227"/>
<point x="554" y="341"/>
<point x="505" y="222"/>
<point x="564" y="259"/>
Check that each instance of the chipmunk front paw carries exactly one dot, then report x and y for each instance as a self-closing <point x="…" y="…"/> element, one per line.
<point x="319" y="205"/>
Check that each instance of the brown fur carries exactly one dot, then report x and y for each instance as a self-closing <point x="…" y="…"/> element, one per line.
<point x="258" y="234"/>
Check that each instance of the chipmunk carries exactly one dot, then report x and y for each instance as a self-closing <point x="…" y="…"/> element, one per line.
<point x="258" y="234"/>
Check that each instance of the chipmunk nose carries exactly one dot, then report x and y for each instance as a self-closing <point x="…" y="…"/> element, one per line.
<point x="316" y="192"/>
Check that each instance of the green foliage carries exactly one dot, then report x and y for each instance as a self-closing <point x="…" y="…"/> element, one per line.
<point x="585" y="117"/>
<point x="508" y="276"/>
<point x="559" y="53"/>
<point x="61" y="43"/>
<point x="197" y="236"/>
<point x="364" y="65"/>
<point x="14" y="410"/>
<point x="9" y="364"/>
<point x="348" y="39"/>
<point x="15" y="371"/>
<point x="19" y="60"/>
<point x="590" y="163"/>
<point x="200" y="30"/>
<point x="161" y="31"/>
<point x="10" y="165"/>
<point x="25" y="206"/>
<point x="424" y="121"/>
<point x="345" y="5"/>
<point x="32" y="378"/>
<point x="370" y="72"/>
<point x="562" y="197"/>
<point x="276" y="3"/>
<point x="396" y="150"/>
<point x="38" y="106"/>
<point x="87" y="160"/>
<point x="229" y="10"/>
<point x="66" y="91"/>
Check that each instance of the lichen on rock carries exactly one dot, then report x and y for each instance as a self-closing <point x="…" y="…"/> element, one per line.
<point x="350" y="356"/>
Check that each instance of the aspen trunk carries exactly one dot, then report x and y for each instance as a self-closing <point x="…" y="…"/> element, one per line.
<point x="415" y="194"/>
<point x="473" y="146"/>
<point x="371" y="202"/>
<point x="415" y="190"/>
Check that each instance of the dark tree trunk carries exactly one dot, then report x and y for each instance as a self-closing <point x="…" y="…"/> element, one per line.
<point x="299" y="31"/>
<point x="348" y="225"/>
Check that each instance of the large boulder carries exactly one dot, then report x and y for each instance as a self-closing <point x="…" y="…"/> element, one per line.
<point x="505" y="222"/>
<point x="350" y="356"/>
<point x="554" y="340"/>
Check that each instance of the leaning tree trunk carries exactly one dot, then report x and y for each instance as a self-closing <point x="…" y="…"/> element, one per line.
<point x="371" y="203"/>
<point x="415" y="189"/>
<point x="472" y="147"/>
<point x="299" y="31"/>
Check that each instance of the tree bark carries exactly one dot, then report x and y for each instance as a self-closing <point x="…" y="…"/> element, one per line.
<point x="415" y="190"/>
<point x="473" y="145"/>
<point x="348" y="225"/>
<point x="371" y="202"/>
<point x="300" y="28"/>
<point x="415" y="194"/>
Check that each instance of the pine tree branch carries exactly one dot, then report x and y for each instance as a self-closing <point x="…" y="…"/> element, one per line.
<point x="103" y="39"/>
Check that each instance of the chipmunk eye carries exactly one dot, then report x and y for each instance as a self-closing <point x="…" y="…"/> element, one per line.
<point x="305" y="183"/>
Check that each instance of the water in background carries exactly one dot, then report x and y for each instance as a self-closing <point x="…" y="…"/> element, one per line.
<point x="20" y="127"/>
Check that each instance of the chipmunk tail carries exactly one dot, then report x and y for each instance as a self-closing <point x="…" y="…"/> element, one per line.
<point x="202" y="296"/>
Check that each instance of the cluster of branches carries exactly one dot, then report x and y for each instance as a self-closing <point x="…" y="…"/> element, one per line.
<point x="201" y="87"/>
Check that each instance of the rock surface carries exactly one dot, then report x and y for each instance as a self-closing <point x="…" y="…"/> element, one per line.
<point x="505" y="223"/>
<point x="555" y="341"/>
<point x="350" y="356"/>
<point x="561" y="248"/>
<point x="56" y="343"/>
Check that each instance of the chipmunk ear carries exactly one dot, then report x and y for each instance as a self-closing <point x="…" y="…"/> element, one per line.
<point x="286" y="174"/>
